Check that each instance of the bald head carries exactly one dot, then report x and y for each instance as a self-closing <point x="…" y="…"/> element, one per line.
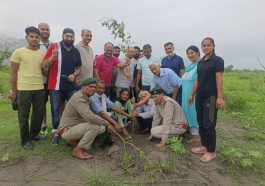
<point x="155" y="68"/>
<point x="44" y="32"/>
<point x="86" y="35"/>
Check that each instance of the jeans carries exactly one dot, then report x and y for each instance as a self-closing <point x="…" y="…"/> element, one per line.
<point x="57" y="98"/>
<point x="146" y="88"/>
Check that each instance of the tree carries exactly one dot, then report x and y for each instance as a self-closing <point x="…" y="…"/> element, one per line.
<point x="229" y="68"/>
<point x="6" y="46"/>
<point x="118" y="31"/>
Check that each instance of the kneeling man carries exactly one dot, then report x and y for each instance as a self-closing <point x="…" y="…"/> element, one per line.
<point x="168" y="117"/>
<point x="78" y="125"/>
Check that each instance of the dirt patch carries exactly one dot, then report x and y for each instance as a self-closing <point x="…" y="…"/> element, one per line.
<point x="37" y="171"/>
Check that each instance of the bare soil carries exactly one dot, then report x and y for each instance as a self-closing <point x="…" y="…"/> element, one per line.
<point x="38" y="171"/>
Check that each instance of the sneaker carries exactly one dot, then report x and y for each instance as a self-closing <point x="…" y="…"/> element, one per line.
<point x="44" y="130"/>
<point x="28" y="145"/>
<point x="39" y="138"/>
<point x="55" y="140"/>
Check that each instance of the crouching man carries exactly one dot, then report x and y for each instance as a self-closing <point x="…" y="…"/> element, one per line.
<point x="168" y="119"/>
<point x="78" y="125"/>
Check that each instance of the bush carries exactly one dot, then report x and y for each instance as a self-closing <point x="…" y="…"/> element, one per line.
<point x="235" y="101"/>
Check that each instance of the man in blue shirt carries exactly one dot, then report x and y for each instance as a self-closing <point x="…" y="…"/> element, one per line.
<point x="166" y="79"/>
<point x="175" y="63"/>
<point x="99" y="103"/>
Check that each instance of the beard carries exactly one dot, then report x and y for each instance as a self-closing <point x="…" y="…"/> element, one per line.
<point x="68" y="43"/>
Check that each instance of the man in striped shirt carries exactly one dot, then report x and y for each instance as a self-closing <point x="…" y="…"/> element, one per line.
<point x="64" y="63"/>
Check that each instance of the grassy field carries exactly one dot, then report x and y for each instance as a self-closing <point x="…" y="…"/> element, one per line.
<point x="241" y="142"/>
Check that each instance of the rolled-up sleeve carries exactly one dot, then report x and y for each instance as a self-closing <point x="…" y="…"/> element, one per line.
<point x="95" y="105"/>
<point x="148" y="113"/>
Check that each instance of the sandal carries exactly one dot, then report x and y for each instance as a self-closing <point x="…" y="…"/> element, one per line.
<point x="208" y="157"/>
<point x="199" y="150"/>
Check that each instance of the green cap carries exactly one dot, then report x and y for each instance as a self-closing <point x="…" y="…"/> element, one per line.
<point x="89" y="81"/>
<point x="156" y="90"/>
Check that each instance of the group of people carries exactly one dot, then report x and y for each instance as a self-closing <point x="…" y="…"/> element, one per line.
<point x="91" y="95"/>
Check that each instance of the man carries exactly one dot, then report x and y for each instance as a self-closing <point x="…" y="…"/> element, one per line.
<point x="166" y="79"/>
<point x="116" y="51"/>
<point x="175" y="63"/>
<point x="125" y="80"/>
<point x="99" y="104"/>
<point x="27" y="87"/>
<point x="172" y="61"/>
<point x="64" y="63"/>
<point x="168" y="117"/>
<point x="144" y="71"/>
<point x="144" y="114"/>
<point x="44" y="45"/>
<point x="104" y="65"/>
<point x="113" y="89"/>
<point x="78" y="125"/>
<point x="86" y="53"/>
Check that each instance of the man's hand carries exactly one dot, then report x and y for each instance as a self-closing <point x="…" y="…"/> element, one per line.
<point x="71" y="77"/>
<point x="118" y="128"/>
<point x="149" y="138"/>
<point x="13" y="95"/>
<point x="128" y="76"/>
<point x="161" y="144"/>
<point x="110" y="129"/>
<point x="55" y="52"/>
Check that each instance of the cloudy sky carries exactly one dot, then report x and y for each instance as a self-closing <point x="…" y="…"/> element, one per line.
<point x="238" y="26"/>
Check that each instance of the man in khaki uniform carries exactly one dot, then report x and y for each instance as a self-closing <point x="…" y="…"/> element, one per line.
<point x="79" y="123"/>
<point x="168" y="117"/>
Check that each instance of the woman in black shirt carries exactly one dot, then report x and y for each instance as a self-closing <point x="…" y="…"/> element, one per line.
<point x="208" y="87"/>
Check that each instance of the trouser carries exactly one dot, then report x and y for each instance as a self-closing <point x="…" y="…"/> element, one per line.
<point x="144" y="123"/>
<point x="145" y="87"/>
<point x="157" y="131"/>
<point x="57" y="97"/>
<point x="26" y="98"/>
<point x="207" y="116"/>
<point x="107" y="91"/>
<point x="85" y="132"/>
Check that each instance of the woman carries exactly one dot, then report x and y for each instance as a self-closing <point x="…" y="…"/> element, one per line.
<point x="123" y="103"/>
<point x="188" y="79"/>
<point x="208" y="87"/>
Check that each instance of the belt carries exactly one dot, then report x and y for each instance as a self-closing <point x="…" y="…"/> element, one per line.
<point x="182" y="126"/>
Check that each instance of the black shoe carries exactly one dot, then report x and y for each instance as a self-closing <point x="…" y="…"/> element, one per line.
<point x="28" y="145"/>
<point x="55" y="140"/>
<point x="39" y="138"/>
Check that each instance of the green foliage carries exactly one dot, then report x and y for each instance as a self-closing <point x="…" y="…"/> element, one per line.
<point x="237" y="158"/>
<point x="118" y="31"/>
<point x="229" y="68"/>
<point x="127" y="159"/>
<point x="235" y="101"/>
<point x="5" y="157"/>
<point x="4" y="55"/>
<point x="176" y="145"/>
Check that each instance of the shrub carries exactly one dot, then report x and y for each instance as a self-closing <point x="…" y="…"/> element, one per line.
<point x="235" y="101"/>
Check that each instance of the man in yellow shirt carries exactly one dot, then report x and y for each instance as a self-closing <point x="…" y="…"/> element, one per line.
<point x="27" y="87"/>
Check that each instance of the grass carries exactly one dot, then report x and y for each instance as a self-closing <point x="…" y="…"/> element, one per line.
<point x="245" y="96"/>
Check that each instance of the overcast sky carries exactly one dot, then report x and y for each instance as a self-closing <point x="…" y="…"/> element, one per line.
<point x="238" y="26"/>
